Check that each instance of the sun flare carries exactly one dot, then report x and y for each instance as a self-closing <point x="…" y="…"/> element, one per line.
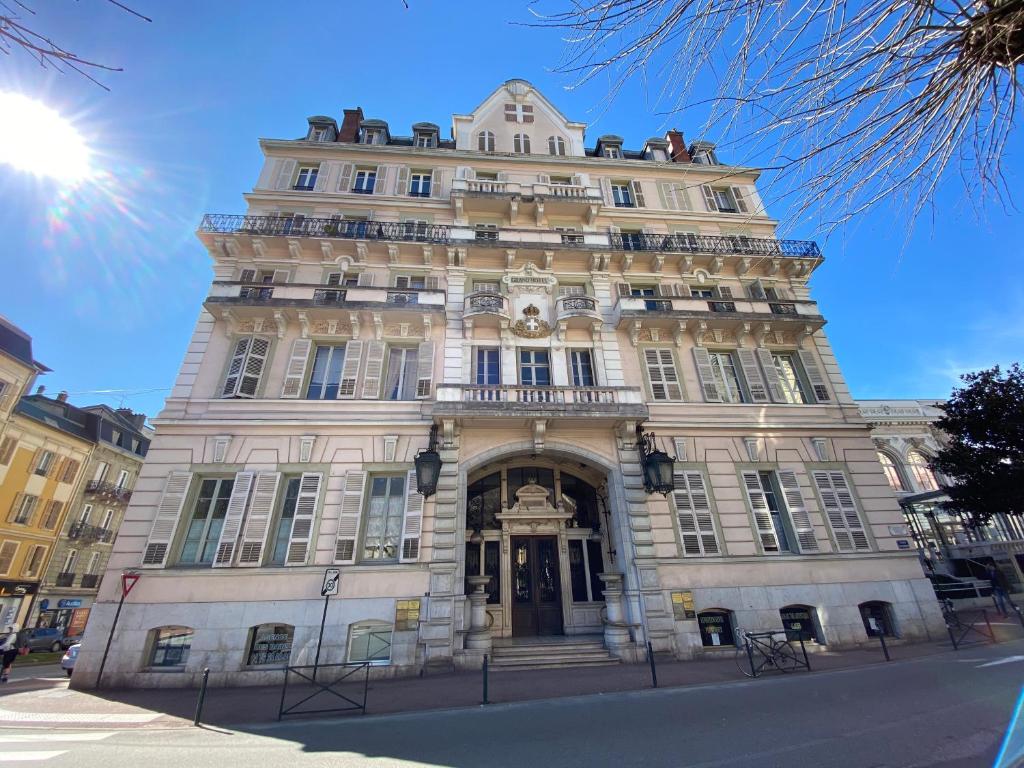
<point x="37" y="139"/>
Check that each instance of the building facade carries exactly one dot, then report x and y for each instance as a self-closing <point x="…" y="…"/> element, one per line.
<point x="540" y="304"/>
<point x="83" y="547"/>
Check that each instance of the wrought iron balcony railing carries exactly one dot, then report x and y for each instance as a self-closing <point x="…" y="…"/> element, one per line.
<point x="109" y="490"/>
<point x="65" y="579"/>
<point x="90" y="580"/>
<point x="724" y="244"/>
<point x="86" y="533"/>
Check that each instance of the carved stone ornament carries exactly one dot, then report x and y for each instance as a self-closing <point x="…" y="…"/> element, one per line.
<point x="529" y="278"/>
<point x="532" y="327"/>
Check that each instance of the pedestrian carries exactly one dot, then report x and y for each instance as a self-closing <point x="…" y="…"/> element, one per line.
<point x="9" y="649"/>
<point x="1000" y="588"/>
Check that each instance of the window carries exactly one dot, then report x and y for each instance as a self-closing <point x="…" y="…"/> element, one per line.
<point x="704" y="157"/>
<point x="622" y="195"/>
<point x="556" y="145"/>
<point x="52" y="514"/>
<point x="521" y="144"/>
<point x="582" y="367"/>
<point x="101" y="472"/>
<point x="585" y="563"/>
<point x="365" y="181"/>
<point x="485" y="286"/>
<point x="270" y="644"/>
<point x="840" y="510"/>
<point x="485" y="141"/>
<point x="170" y="646"/>
<point x="307" y="177"/>
<point x="419" y="184"/>
<point x="662" y="375"/>
<point x="108" y="519"/>
<point x="321" y="134"/>
<point x="724" y="199"/>
<point x="86" y="511"/>
<point x="487" y="232"/>
<point x="44" y="463"/>
<point x="534" y="367"/>
<point x="487" y="366"/>
<point x="70" y="471"/>
<point x="491" y="551"/>
<point x="572" y="290"/>
<point x="282" y="534"/>
<point x="723" y="368"/>
<point x="372" y="136"/>
<point x="206" y="522"/>
<point x="410" y="281"/>
<point x="23" y="508"/>
<point x="892" y="471"/>
<point x="613" y="152"/>
<point x="70" y="561"/>
<point x="34" y="561"/>
<point x="765" y="483"/>
<point x="7" y="552"/>
<point x="401" y="380"/>
<point x="326" y="376"/>
<point x="702" y="293"/>
<point x="424" y="140"/>
<point x="370" y="643"/>
<point x="715" y="628"/>
<point x="570" y="235"/>
<point x="483" y="503"/>
<point x="246" y="367"/>
<point x="800" y="623"/>
<point x="923" y="476"/>
<point x="877" y="618"/>
<point x="384" y="517"/>
<point x="789" y="380"/>
<point x="122" y="479"/>
<point x="94" y="564"/>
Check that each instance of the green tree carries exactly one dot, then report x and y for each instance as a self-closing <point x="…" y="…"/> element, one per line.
<point x="984" y="457"/>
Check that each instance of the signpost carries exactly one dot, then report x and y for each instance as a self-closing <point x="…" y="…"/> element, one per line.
<point x="332" y="577"/>
<point x="128" y="580"/>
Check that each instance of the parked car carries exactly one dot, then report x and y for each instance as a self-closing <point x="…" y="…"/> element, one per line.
<point x="67" y="662"/>
<point x="70" y="640"/>
<point x="44" y="639"/>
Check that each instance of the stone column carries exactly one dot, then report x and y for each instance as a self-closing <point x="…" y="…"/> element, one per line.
<point x="616" y="630"/>
<point x="479" y="636"/>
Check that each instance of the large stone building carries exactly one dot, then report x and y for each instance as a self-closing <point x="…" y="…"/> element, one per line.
<point x="538" y="300"/>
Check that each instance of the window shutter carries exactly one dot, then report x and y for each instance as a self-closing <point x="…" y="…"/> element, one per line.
<point x="425" y="369"/>
<point x="285" y="171"/>
<point x="706" y="375"/>
<point x="771" y="375"/>
<point x="321" y="177"/>
<point x="295" y="373"/>
<point x="348" y="521"/>
<point x="841" y="511"/>
<point x="661" y="372"/>
<point x="350" y="370"/>
<point x="165" y="523"/>
<point x="762" y="515"/>
<point x="433" y="281"/>
<point x="7" y="450"/>
<point x="56" y="465"/>
<point x="53" y="510"/>
<point x="257" y="521"/>
<point x="71" y="470"/>
<point x="606" y="191"/>
<point x="666" y="196"/>
<point x="814" y="375"/>
<point x="709" y="198"/>
<point x="543" y="178"/>
<point x="755" y="384"/>
<point x="741" y="203"/>
<point x="756" y="290"/>
<point x="374" y="370"/>
<point x="302" y="522"/>
<point x="365" y="279"/>
<point x="280" y="277"/>
<point x="232" y="525"/>
<point x="723" y="292"/>
<point x="413" y="522"/>
<point x="7" y="552"/>
<point x="345" y="177"/>
<point x="13" y="512"/>
<point x="247" y="276"/>
<point x="380" y="184"/>
<point x="666" y="290"/>
<point x="798" y="511"/>
<point x="638" y="194"/>
<point x="234" y="374"/>
<point x="623" y="289"/>
<point x="402" y="182"/>
<point x="693" y="511"/>
<point x="255" y="362"/>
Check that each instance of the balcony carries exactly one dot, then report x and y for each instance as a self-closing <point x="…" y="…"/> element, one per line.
<point x="306" y="295"/>
<point x="90" y="581"/>
<point x="518" y="401"/>
<point x="739" y="315"/>
<point x="577" y="311"/>
<point x="88" y="534"/>
<point x="65" y="579"/>
<point x="484" y="305"/>
<point x="715" y="244"/>
<point x="108" y="491"/>
<point x="511" y="197"/>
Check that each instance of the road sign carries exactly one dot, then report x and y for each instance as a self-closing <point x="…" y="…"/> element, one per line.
<point x="128" y="580"/>
<point x="331" y="578"/>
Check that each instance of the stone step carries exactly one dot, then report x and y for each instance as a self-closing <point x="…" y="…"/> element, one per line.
<point x="582" y="652"/>
<point x="549" y="650"/>
<point x="553" y="664"/>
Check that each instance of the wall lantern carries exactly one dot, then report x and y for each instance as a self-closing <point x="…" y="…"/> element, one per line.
<point x="658" y="466"/>
<point x="428" y="466"/>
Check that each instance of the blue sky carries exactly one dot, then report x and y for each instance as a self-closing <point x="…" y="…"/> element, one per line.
<point x="108" y="279"/>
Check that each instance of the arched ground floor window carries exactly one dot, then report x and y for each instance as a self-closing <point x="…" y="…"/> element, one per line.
<point x="801" y="621"/>
<point x="716" y="627"/>
<point x="878" y="618"/>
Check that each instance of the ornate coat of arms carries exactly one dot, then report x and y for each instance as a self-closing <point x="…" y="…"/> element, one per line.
<point x="531" y="327"/>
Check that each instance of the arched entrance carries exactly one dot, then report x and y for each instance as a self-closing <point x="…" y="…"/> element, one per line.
<point x="538" y="526"/>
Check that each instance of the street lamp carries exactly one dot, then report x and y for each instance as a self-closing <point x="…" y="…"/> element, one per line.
<point x="428" y="466"/>
<point x="658" y="467"/>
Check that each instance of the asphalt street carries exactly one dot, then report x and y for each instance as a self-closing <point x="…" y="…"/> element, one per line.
<point x="949" y="711"/>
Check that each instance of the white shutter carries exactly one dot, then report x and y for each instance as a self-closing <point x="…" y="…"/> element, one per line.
<point x="364" y="279"/>
<point x="280" y="277"/>
<point x="321" y="177"/>
<point x="724" y="292"/>
<point x="841" y="511"/>
<point x="350" y="370"/>
<point x="755" y="290"/>
<point x="425" y="369"/>
<point x="798" y="511"/>
<point x="285" y="171"/>
<point x="693" y="512"/>
<point x="413" y="522"/>
<point x="666" y="196"/>
<point x="345" y="177"/>
<point x="348" y="520"/>
<point x="234" y="374"/>
<point x="762" y="515"/>
<point x="706" y="375"/>
<point x="380" y="185"/>
<point x="232" y="525"/>
<point x="741" y="203"/>
<point x="374" y="370"/>
<point x="755" y="384"/>
<point x="302" y="521"/>
<point x="165" y="523"/>
<point x="606" y="191"/>
<point x="247" y="276"/>
<point x="709" y="198"/>
<point x="543" y="178"/>
<point x="771" y="375"/>
<point x="661" y="372"/>
<point x="813" y="372"/>
<point x="255" y="362"/>
<point x="432" y="281"/>
<point x="638" y="194"/>
<point x="402" y="180"/>
<point x="436" y="182"/>
<point x="257" y="521"/>
<point x="295" y="373"/>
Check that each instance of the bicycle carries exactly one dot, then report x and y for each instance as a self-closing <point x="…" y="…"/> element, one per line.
<point x="761" y="650"/>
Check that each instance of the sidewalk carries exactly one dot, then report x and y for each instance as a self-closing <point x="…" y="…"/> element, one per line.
<point x="50" y="703"/>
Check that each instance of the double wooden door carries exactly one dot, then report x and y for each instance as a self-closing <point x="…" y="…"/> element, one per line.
<point x="536" y="586"/>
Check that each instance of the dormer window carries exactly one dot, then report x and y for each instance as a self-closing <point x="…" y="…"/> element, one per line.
<point x="321" y="134"/>
<point x="521" y="144"/>
<point x="556" y="145"/>
<point x="373" y="136"/>
<point x="485" y="141"/>
<point x="703" y="153"/>
<point x="704" y="157"/>
<point x="424" y="140"/>
<point x="613" y="153"/>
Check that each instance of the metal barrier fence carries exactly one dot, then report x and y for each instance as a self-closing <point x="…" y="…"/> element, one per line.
<point x="309" y="674"/>
<point x="963" y="631"/>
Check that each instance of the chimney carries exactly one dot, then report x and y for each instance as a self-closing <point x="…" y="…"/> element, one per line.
<point x="677" y="147"/>
<point x="62" y="396"/>
<point x="40" y="389"/>
<point x="138" y="420"/>
<point x="349" y="130"/>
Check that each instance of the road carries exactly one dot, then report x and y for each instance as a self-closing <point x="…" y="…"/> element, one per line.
<point x="947" y="711"/>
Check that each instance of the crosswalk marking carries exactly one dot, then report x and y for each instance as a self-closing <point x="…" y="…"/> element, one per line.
<point x="7" y="716"/>
<point x="43" y="740"/>
<point x="32" y="756"/>
<point x="20" y="738"/>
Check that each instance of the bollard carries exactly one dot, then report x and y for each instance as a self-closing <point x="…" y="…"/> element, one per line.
<point x="1020" y="616"/>
<point x="803" y="649"/>
<point x="885" y="648"/>
<point x="202" y="696"/>
<point x="988" y="624"/>
<point x="650" y="658"/>
<point x="485" y="681"/>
